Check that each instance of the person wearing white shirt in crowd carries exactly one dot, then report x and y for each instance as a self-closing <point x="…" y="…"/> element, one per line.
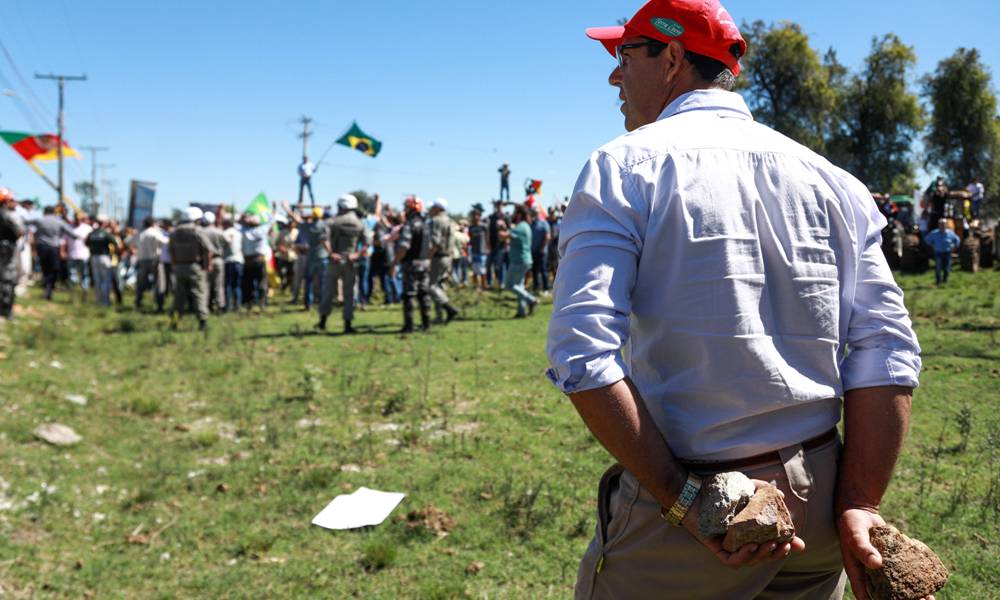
<point x="256" y="252"/>
<point x="24" y="211"/>
<point x="306" y="170"/>
<point x="721" y="296"/>
<point x="233" y="257"/>
<point x="149" y="245"/>
<point x="77" y="253"/>
<point x="976" y="191"/>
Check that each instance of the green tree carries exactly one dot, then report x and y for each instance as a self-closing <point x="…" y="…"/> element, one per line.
<point x="786" y="85"/>
<point x="964" y="136"/>
<point x="878" y="119"/>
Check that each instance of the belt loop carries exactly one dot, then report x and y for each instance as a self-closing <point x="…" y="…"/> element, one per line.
<point x="800" y="479"/>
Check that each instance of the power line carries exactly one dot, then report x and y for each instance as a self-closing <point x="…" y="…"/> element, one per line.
<point x="39" y="106"/>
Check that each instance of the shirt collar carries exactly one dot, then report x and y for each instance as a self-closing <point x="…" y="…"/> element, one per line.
<point x="714" y="99"/>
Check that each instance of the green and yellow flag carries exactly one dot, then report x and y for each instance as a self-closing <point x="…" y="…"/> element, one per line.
<point x="360" y="141"/>
<point x="261" y="207"/>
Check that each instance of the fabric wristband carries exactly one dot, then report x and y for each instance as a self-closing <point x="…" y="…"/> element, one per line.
<point x="676" y="513"/>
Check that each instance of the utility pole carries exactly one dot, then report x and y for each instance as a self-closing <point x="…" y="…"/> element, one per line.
<point x="93" y="174"/>
<point x="306" y="121"/>
<point x="61" y="79"/>
<point x="109" y="196"/>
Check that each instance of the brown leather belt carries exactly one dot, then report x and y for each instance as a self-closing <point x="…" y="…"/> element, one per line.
<point x="757" y="459"/>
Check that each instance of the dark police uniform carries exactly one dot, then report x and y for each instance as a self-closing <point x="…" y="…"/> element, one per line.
<point x="11" y="229"/>
<point x="416" y="270"/>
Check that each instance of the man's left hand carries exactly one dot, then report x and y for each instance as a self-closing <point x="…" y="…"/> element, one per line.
<point x="856" y="547"/>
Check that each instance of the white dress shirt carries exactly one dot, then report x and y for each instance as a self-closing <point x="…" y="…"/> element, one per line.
<point x="306" y="170"/>
<point x="76" y="248"/>
<point x="234" y="245"/>
<point x="734" y="275"/>
<point x="150" y="243"/>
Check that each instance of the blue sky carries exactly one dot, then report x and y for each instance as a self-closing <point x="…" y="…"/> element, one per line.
<point x="203" y="97"/>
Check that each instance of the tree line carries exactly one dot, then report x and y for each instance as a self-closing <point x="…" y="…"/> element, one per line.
<point x="868" y="122"/>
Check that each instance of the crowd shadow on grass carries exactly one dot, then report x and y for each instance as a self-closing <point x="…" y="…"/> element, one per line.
<point x="968" y="355"/>
<point x="385" y="329"/>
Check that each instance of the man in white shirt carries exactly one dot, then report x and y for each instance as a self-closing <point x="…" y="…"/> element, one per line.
<point x="233" y="257"/>
<point x="77" y="253"/>
<point x="306" y="170"/>
<point x="976" y="191"/>
<point x="714" y="274"/>
<point x="149" y="245"/>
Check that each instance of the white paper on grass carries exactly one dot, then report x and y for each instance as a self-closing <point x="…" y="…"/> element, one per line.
<point x="362" y="508"/>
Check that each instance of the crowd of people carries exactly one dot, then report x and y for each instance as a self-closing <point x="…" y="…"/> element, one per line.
<point x="213" y="262"/>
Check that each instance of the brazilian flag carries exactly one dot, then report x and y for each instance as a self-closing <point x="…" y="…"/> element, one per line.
<point x="360" y="141"/>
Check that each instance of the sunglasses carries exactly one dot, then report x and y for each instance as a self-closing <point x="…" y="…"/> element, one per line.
<point x="658" y="46"/>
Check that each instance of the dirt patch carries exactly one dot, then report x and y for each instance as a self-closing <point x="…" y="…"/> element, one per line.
<point x="28" y="536"/>
<point x="431" y="518"/>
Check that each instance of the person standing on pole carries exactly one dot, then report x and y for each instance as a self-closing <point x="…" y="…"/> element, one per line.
<point x="504" y="171"/>
<point x="306" y="170"/>
<point x="721" y="296"/>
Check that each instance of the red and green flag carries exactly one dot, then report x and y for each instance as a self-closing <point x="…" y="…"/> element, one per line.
<point x="32" y="147"/>
<point x="360" y="141"/>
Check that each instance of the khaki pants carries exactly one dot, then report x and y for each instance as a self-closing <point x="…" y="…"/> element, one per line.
<point x="339" y="272"/>
<point x="191" y="289"/>
<point x="637" y="554"/>
<point x="217" y="285"/>
<point x="440" y="270"/>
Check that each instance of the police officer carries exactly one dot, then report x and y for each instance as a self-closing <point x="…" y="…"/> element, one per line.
<point x="439" y="252"/>
<point x="191" y="255"/>
<point x="217" y="269"/>
<point x="416" y="269"/>
<point x="11" y="229"/>
<point x="345" y="231"/>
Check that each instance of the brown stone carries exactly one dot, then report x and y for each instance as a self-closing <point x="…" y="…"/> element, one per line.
<point x="910" y="569"/>
<point x="764" y="519"/>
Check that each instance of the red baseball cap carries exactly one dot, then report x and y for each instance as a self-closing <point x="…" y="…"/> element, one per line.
<point x="703" y="26"/>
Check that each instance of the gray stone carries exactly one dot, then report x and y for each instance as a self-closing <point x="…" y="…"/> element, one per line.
<point x="57" y="435"/>
<point x="910" y="569"/>
<point x="722" y="496"/>
<point x="765" y="519"/>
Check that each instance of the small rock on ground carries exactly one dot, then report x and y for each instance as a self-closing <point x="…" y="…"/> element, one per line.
<point x="57" y="434"/>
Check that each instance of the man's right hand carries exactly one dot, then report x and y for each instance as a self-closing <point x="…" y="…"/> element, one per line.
<point x="748" y="554"/>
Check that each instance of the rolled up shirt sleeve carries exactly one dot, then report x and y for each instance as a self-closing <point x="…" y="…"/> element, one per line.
<point x="600" y="244"/>
<point x="882" y="348"/>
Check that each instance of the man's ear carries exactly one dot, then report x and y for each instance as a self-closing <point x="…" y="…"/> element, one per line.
<point x="673" y="62"/>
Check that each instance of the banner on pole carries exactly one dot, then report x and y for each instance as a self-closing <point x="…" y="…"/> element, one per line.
<point x="140" y="202"/>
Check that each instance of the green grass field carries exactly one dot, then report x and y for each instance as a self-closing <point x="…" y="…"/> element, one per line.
<point x="204" y="458"/>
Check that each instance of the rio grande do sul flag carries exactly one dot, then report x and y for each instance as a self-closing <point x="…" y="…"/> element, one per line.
<point x="32" y="147"/>
<point x="360" y="141"/>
